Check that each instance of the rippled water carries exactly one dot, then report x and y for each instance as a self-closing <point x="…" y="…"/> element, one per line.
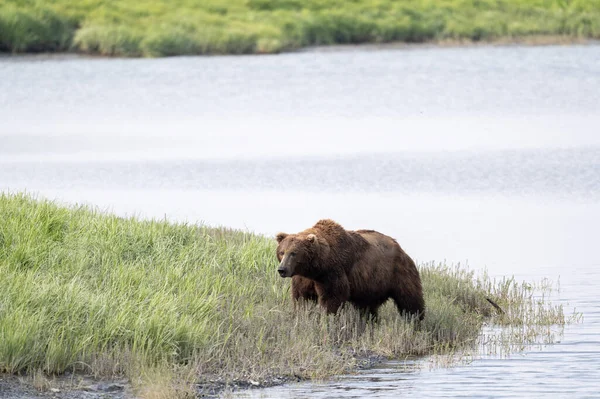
<point x="569" y="172"/>
<point x="489" y="156"/>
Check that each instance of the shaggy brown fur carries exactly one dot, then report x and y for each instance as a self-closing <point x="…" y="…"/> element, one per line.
<point x="333" y="265"/>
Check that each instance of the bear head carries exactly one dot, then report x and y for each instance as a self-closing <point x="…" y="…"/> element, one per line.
<point x="296" y="253"/>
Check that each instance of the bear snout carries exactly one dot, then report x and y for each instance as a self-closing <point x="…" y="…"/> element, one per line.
<point x="282" y="272"/>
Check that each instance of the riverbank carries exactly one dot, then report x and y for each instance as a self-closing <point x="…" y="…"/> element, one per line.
<point x="176" y="308"/>
<point x="534" y="41"/>
<point x="155" y="28"/>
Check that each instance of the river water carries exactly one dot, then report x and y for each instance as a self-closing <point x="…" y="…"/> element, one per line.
<point x="488" y="156"/>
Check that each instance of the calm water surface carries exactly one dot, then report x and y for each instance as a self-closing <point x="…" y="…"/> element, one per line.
<point x="486" y="156"/>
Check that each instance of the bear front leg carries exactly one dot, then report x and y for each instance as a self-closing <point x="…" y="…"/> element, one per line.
<point x="303" y="292"/>
<point x="330" y="304"/>
<point x="303" y="288"/>
<point x="333" y="293"/>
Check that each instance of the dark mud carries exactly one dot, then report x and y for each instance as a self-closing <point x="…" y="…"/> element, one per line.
<point x="86" y="387"/>
<point x="14" y="387"/>
<point x="64" y="387"/>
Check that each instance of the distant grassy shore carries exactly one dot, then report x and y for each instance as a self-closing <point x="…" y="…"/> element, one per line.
<point x="162" y="27"/>
<point x="172" y="305"/>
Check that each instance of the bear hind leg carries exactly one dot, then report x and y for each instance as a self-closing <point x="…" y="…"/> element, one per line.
<point x="409" y="305"/>
<point x="369" y="312"/>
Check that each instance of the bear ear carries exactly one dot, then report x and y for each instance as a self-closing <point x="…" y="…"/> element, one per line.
<point x="311" y="238"/>
<point x="280" y="236"/>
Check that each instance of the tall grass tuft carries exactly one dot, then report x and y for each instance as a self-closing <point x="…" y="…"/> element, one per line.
<point x="92" y="292"/>
<point x="34" y="29"/>
<point x="109" y="40"/>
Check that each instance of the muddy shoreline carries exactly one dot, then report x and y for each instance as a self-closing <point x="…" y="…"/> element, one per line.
<point x="79" y="386"/>
<point x="63" y="387"/>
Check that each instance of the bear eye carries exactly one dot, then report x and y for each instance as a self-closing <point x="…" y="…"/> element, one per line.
<point x="293" y="253"/>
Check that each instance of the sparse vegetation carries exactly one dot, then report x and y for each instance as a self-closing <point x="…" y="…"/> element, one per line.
<point x="169" y="305"/>
<point x="162" y="28"/>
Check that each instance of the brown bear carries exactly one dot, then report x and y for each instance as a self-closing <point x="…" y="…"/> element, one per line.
<point x="333" y="265"/>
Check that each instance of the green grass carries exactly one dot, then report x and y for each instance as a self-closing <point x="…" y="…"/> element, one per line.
<point x="156" y="301"/>
<point x="162" y="28"/>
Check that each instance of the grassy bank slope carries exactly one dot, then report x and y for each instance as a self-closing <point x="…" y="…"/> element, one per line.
<point x="148" y="299"/>
<point x="161" y="27"/>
